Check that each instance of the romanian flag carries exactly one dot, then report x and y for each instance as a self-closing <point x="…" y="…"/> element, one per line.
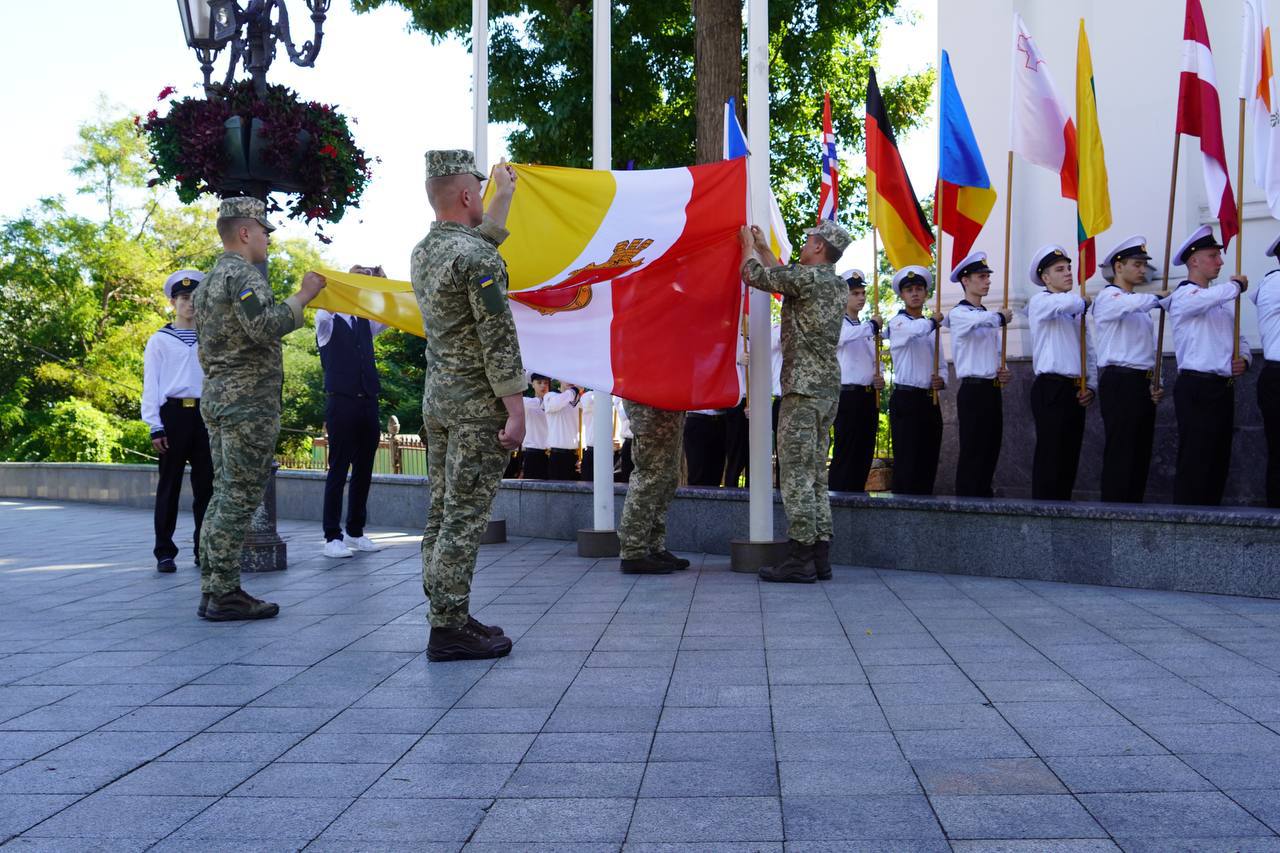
<point x="967" y="196"/>
<point x="1093" y="205"/>
<point x="895" y="210"/>
<point x="625" y="281"/>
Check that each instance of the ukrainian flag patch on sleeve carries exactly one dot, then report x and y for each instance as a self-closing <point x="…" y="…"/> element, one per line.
<point x="491" y="296"/>
<point x="249" y="302"/>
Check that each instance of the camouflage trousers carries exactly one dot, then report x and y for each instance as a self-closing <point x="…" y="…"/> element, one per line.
<point x="804" y="433"/>
<point x="464" y="465"/>
<point x="656" y="454"/>
<point x="242" y="448"/>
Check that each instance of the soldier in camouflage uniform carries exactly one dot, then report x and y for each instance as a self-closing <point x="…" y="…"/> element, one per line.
<point x="814" y="298"/>
<point x="240" y="327"/>
<point x="472" y="406"/>
<point x="655" y="451"/>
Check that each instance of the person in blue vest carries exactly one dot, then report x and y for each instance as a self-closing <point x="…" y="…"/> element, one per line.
<point x="351" y="389"/>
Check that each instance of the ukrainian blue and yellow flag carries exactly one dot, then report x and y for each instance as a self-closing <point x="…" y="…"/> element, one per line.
<point x="967" y="195"/>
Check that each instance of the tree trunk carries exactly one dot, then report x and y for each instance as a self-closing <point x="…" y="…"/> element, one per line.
<point x="717" y="68"/>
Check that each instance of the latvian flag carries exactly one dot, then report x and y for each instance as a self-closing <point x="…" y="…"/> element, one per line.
<point x="625" y="281"/>
<point x="829" y="199"/>
<point x="1199" y="114"/>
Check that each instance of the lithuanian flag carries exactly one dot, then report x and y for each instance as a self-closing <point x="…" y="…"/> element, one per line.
<point x="1093" y="204"/>
<point x="895" y="210"/>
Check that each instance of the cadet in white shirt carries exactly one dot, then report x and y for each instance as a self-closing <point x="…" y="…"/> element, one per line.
<point x="1203" y="322"/>
<point x="915" y="420"/>
<point x="561" y="409"/>
<point x="975" y="343"/>
<point x="857" y="418"/>
<point x="1125" y="334"/>
<point x="172" y="382"/>
<point x="534" y="465"/>
<point x="1057" y="403"/>
<point x="1267" y="297"/>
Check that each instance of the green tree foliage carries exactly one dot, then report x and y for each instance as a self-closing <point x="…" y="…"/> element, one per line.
<point x="540" y="67"/>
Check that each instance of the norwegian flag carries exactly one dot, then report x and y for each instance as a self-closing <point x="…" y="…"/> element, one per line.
<point x="1200" y="114"/>
<point x="828" y="201"/>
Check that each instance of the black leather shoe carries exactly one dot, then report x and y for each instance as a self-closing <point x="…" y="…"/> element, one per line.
<point x="666" y="556"/>
<point x="822" y="559"/>
<point x="490" y="630"/>
<point x="465" y="643"/>
<point x="238" y="605"/>
<point x="647" y="565"/>
<point x="797" y="568"/>
<point x="167" y="566"/>
<point x="204" y="605"/>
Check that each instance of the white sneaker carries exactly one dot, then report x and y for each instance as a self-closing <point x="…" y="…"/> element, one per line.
<point x="335" y="549"/>
<point x="361" y="543"/>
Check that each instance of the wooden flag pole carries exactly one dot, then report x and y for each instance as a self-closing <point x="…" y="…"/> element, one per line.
<point x="1168" y="254"/>
<point x="1084" y="329"/>
<point x="875" y="303"/>
<point x="1008" y="221"/>
<point x="937" y="290"/>
<point x="1235" y="338"/>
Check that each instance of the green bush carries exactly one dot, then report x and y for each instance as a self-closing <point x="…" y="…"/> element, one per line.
<point x="71" y="431"/>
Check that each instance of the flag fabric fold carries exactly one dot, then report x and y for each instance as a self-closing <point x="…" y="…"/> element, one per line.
<point x="624" y="281"/>
<point x="1093" y="205"/>
<point x="1200" y="115"/>
<point x="829" y="197"/>
<point x="1040" y="131"/>
<point x="894" y="209"/>
<point x="967" y="195"/>
<point x="1258" y="89"/>
<point x="735" y="145"/>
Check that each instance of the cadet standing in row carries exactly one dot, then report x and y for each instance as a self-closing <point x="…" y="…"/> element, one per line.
<point x="240" y="327"/>
<point x="1203" y="321"/>
<point x="561" y="410"/>
<point x="975" y="337"/>
<point x="1126" y="358"/>
<point x="1267" y="299"/>
<point x="1057" y="403"/>
<point x="813" y="304"/>
<point x="857" y="418"/>
<point x="473" y="396"/>
<point x="915" y="418"/>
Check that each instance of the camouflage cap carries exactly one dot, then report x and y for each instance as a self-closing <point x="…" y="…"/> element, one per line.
<point x="454" y="161"/>
<point x="245" y="207"/>
<point x="833" y="234"/>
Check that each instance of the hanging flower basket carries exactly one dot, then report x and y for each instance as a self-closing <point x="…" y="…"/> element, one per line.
<point x="236" y="143"/>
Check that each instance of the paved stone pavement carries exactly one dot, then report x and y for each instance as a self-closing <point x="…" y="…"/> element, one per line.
<point x="702" y="711"/>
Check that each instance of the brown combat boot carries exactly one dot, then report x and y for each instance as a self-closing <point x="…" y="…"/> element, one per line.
<point x="238" y="605"/>
<point x="822" y="559"/>
<point x="467" y="642"/>
<point x="797" y="568"/>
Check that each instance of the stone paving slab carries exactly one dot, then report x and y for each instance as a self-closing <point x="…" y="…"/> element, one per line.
<point x="701" y="711"/>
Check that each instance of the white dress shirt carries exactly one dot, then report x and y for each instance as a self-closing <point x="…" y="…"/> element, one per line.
<point x="1055" y="336"/>
<point x="1267" y="297"/>
<point x="170" y="368"/>
<point x="324" y="325"/>
<point x="561" y="408"/>
<point x="1203" y="321"/>
<point x="856" y="352"/>
<point x="1126" y="331"/>
<point x="975" y="340"/>
<point x="624" y="423"/>
<point x="535" y="425"/>
<point x="911" y="344"/>
<point x="587" y="405"/>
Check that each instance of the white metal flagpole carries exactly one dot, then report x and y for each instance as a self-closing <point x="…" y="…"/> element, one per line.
<point x="480" y="82"/>
<point x="602" y="158"/>
<point x="760" y="496"/>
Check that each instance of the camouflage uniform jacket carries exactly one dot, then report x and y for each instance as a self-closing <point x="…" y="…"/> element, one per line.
<point x="472" y="353"/>
<point x="813" y="304"/>
<point x="240" y="326"/>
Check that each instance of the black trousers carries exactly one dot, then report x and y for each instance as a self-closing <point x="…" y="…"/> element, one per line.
<point x="916" y="424"/>
<point x="1206" y="411"/>
<point x="704" y="448"/>
<point x="536" y="464"/>
<point x="980" y="412"/>
<point x="563" y="464"/>
<point x="1269" y="403"/>
<point x="354" y="433"/>
<point x="514" y="463"/>
<point x="737" y="444"/>
<point x="855" y="439"/>
<point x="587" y="469"/>
<point x="1129" y="419"/>
<point x="188" y="443"/>
<point x="626" y="465"/>
<point x="1059" y="433"/>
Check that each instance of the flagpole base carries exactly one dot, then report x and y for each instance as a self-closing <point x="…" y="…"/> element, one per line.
<point x="748" y="556"/>
<point x="495" y="532"/>
<point x="598" y="543"/>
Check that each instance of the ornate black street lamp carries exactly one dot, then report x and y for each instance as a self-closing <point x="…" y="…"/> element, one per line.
<point x="251" y="32"/>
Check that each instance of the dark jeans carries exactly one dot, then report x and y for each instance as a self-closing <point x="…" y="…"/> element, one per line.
<point x="916" y="423"/>
<point x="1129" y="419"/>
<point x="980" y="411"/>
<point x="855" y="440"/>
<point x="188" y="443"/>
<point x="354" y="433"/>
<point x="1059" y="433"/>
<point x="1206" y="409"/>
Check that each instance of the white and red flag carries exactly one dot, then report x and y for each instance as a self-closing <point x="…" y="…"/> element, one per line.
<point x="829" y="198"/>
<point x="1040" y="131"/>
<point x="1258" y="90"/>
<point x="1200" y="115"/>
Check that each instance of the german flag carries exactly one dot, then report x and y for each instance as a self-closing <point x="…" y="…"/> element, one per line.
<point x="895" y="211"/>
